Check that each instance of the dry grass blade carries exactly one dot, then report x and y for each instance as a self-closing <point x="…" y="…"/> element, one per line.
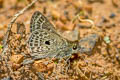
<point x="5" y="46"/>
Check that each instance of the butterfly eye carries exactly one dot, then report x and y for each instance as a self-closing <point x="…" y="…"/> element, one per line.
<point x="47" y="42"/>
<point x="74" y="47"/>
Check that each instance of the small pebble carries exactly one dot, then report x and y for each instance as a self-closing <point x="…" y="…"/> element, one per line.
<point x="88" y="8"/>
<point x="39" y="66"/>
<point x="17" y="58"/>
<point x="18" y="36"/>
<point x="102" y="21"/>
<point x="107" y="39"/>
<point x="112" y="15"/>
<point x="59" y="24"/>
<point x="7" y="78"/>
<point x="63" y="19"/>
<point x="1" y="3"/>
<point x="55" y="14"/>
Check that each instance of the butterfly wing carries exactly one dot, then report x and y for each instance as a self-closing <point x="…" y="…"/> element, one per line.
<point x="39" y="21"/>
<point x="88" y="43"/>
<point x="44" y="40"/>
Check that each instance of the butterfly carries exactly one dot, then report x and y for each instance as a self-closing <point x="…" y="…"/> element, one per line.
<point x="44" y="41"/>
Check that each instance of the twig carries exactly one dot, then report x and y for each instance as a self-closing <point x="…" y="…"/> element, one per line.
<point x="5" y="46"/>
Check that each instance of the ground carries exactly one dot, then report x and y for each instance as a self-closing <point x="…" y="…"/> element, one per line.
<point x="102" y="64"/>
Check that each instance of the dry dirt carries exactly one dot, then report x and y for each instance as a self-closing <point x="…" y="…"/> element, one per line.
<point x="102" y="64"/>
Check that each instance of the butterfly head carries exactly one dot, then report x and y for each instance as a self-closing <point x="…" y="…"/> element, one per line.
<point x="74" y="47"/>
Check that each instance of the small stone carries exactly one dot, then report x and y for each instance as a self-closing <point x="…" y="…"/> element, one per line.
<point x="107" y="39"/>
<point x="15" y="66"/>
<point x="88" y="8"/>
<point x="7" y="78"/>
<point x="17" y="58"/>
<point x="63" y="19"/>
<point x="59" y="24"/>
<point x="18" y="36"/>
<point x="1" y="3"/>
<point x="112" y="15"/>
<point x="77" y="4"/>
<point x="103" y="19"/>
<point x="39" y="66"/>
<point x="50" y="66"/>
<point x="55" y="14"/>
<point x="116" y="3"/>
<point x="68" y="26"/>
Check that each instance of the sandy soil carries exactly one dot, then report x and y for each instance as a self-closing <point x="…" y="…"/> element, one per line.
<point x="102" y="64"/>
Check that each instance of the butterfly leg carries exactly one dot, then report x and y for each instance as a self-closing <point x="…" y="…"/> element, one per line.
<point x="67" y="63"/>
<point x="27" y="61"/>
<point x="40" y="76"/>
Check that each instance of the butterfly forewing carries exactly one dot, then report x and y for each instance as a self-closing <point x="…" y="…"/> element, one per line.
<point x="39" y="21"/>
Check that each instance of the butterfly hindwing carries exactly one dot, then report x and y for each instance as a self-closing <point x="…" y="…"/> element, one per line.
<point x="88" y="43"/>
